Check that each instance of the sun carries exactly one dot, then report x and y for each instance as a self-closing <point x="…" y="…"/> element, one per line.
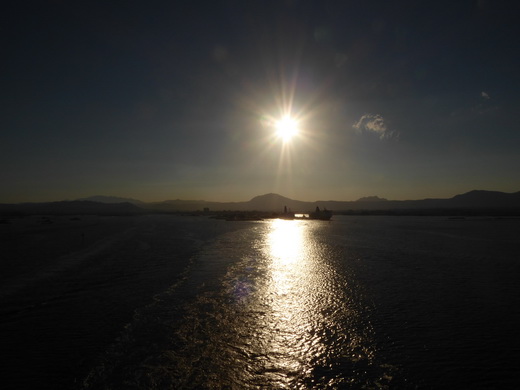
<point x="286" y="128"/>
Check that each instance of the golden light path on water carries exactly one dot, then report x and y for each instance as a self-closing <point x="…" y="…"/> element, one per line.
<point x="291" y="280"/>
<point x="308" y="329"/>
<point x="286" y="318"/>
<point x="272" y="307"/>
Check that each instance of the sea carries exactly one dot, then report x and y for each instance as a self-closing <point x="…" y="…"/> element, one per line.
<point x="191" y="302"/>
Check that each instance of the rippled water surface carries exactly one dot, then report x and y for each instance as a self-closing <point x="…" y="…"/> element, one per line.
<point x="358" y="302"/>
<point x="269" y="308"/>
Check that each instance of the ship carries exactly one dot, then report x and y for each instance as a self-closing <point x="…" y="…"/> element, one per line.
<point x="323" y="215"/>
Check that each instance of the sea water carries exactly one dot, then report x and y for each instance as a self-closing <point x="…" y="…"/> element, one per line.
<point x="357" y="302"/>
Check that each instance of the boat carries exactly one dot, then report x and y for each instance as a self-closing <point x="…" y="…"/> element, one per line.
<point x="323" y="215"/>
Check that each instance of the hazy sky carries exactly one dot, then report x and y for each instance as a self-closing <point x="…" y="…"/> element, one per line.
<point x="176" y="99"/>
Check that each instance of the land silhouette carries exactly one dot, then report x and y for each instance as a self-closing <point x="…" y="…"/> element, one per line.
<point x="477" y="202"/>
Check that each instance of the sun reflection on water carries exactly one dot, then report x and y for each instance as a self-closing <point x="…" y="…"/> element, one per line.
<point x="288" y="317"/>
<point x="286" y="241"/>
<point x="287" y="275"/>
<point x="312" y="324"/>
<point x="284" y="313"/>
<point x="292" y="291"/>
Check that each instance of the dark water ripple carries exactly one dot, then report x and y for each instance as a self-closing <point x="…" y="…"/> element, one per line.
<point x="270" y="313"/>
<point x="169" y="302"/>
<point x="70" y="286"/>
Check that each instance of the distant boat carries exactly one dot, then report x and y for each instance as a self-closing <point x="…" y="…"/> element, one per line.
<point x="323" y="215"/>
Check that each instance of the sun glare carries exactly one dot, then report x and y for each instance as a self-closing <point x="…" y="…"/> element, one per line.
<point x="286" y="128"/>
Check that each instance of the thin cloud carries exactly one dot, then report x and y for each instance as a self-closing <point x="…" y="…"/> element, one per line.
<point x="485" y="95"/>
<point x="373" y="124"/>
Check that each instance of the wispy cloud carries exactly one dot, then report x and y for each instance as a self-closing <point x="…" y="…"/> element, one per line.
<point x="373" y="124"/>
<point x="480" y="106"/>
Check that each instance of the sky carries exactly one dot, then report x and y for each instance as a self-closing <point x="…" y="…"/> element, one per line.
<point x="165" y="100"/>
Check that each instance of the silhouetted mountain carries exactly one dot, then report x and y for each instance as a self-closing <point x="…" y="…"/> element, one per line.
<point x="112" y="199"/>
<point x="180" y="205"/>
<point x="267" y="202"/>
<point x="275" y="202"/>
<point x="371" y="199"/>
<point x="493" y="202"/>
<point x="71" y="207"/>
<point x="481" y="198"/>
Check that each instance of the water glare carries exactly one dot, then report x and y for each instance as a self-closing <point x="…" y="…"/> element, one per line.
<point x="310" y="334"/>
<point x="278" y="311"/>
<point x="286" y="242"/>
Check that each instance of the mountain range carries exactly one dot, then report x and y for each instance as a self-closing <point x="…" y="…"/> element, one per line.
<point x="478" y="201"/>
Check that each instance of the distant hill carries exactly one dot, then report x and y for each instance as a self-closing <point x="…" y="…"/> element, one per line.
<point x="112" y="199"/>
<point x="275" y="202"/>
<point x="473" y="202"/>
<point x="481" y="200"/>
<point x="266" y="203"/>
<point x="70" y="208"/>
<point x="371" y="199"/>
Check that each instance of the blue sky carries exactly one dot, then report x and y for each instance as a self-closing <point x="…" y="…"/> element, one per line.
<point x="167" y="100"/>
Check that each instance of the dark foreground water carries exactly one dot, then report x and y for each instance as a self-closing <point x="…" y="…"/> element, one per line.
<point x="162" y="302"/>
